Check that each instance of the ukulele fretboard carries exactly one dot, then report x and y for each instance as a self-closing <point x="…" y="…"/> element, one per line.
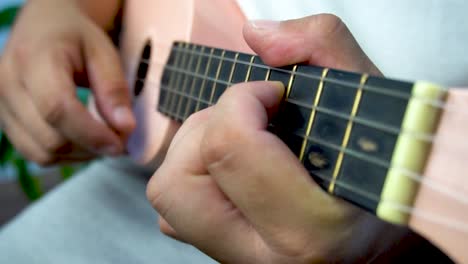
<point x="360" y="137"/>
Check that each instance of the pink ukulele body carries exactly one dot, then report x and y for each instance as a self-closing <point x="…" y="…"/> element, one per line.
<point x="218" y="23"/>
<point x="213" y="23"/>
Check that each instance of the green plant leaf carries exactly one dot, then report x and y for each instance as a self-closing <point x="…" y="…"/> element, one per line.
<point x="6" y="150"/>
<point x="8" y="15"/>
<point x="28" y="183"/>
<point x="67" y="172"/>
<point x="83" y="95"/>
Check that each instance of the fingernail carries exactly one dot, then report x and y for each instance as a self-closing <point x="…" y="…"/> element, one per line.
<point x="279" y="86"/>
<point x="264" y="24"/>
<point x="123" y="115"/>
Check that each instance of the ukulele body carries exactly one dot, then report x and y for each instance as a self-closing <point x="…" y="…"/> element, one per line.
<point x="159" y="23"/>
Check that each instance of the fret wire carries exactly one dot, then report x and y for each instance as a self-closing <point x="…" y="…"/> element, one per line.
<point x="186" y="77"/>
<point x="249" y="69"/>
<point x="268" y="74"/>
<point x="204" y="78"/>
<point x="353" y="189"/>
<point x="318" y="95"/>
<point x="368" y="123"/>
<point x="177" y="84"/>
<point x="171" y="79"/>
<point x="349" y="127"/>
<point x="213" y="88"/>
<point x="197" y="69"/>
<point x="371" y="124"/>
<point x="178" y="79"/>
<point x="291" y="81"/>
<point x="368" y="88"/>
<point x="379" y="90"/>
<point x="344" y="185"/>
<point x="233" y="67"/>
<point x="356" y="154"/>
<point x="365" y="122"/>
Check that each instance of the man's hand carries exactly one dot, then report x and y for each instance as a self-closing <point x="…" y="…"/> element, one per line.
<point x="235" y="191"/>
<point x="53" y="44"/>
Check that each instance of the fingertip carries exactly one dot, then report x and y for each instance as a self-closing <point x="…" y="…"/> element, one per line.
<point x="269" y="93"/>
<point x="124" y="119"/>
<point x="278" y="91"/>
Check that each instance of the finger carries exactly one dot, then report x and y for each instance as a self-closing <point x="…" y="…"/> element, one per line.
<point x="26" y="114"/>
<point x="322" y="40"/>
<point x="53" y="90"/>
<point x="194" y="121"/>
<point x="203" y="215"/>
<point x="108" y="82"/>
<point x="261" y="176"/>
<point x="45" y="148"/>
<point x="22" y="141"/>
<point x="27" y="117"/>
<point x="44" y="136"/>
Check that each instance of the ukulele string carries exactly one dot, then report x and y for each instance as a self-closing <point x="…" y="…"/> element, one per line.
<point x="395" y="205"/>
<point x="426" y="137"/>
<point x="407" y="173"/>
<point x="412" y="175"/>
<point x="435" y="103"/>
<point x="379" y="90"/>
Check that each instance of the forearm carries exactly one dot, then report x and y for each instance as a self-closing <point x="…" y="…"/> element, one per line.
<point x="102" y="12"/>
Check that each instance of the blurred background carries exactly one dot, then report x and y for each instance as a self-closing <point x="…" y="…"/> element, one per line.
<point x="22" y="182"/>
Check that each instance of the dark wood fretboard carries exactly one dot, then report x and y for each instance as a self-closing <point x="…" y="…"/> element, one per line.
<point x="342" y="126"/>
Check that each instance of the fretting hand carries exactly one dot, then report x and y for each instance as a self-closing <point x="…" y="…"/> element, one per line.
<point x="235" y="191"/>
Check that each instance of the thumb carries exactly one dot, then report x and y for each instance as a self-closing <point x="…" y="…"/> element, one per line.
<point x="322" y="40"/>
<point x="108" y="82"/>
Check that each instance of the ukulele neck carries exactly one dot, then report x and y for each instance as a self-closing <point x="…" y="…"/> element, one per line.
<point x="361" y="138"/>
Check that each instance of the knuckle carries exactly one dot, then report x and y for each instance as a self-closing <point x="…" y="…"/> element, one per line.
<point x="20" y="53"/>
<point x="158" y="193"/>
<point x="54" y="145"/>
<point x="197" y="117"/>
<point x="327" y="24"/>
<point x="39" y="157"/>
<point x="60" y="54"/>
<point x="217" y="145"/>
<point x="154" y="191"/>
<point x="54" y="112"/>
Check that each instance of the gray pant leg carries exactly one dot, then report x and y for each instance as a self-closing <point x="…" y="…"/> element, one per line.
<point x="101" y="215"/>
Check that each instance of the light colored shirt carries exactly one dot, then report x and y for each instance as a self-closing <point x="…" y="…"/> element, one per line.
<point x="412" y="40"/>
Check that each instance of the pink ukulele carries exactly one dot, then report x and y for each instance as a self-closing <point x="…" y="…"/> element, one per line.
<point x="393" y="148"/>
